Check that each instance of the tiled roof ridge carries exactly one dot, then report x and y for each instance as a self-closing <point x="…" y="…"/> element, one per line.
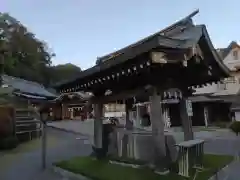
<point x="26" y="81"/>
<point x="162" y="32"/>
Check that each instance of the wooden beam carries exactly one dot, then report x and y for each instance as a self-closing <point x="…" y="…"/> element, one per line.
<point x="122" y="95"/>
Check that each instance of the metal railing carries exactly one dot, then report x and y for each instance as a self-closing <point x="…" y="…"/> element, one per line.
<point x="28" y="122"/>
<point x="29" y="127"/>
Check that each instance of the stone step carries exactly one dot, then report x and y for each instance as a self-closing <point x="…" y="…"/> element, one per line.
<point x="24" y="118"/>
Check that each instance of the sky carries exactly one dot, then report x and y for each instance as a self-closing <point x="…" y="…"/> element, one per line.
<point x="79" y="31"/>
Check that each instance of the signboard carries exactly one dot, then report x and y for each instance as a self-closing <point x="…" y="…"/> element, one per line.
<point x="189" y="108"/>
<point x="158" y="57"/>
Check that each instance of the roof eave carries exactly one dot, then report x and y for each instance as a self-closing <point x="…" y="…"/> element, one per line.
<point x="222" y="66"/>
<point x="162" y="32"/>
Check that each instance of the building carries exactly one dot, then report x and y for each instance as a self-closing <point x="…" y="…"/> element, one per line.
<point x="227" y="90"/>
<point x="212" y="102"/>
<point x="184" y="58"/>
<point x="114" y="110"/>
<point x="22" y="95"/>
<point x="230" y="85"/>
<point x="70" y="106"/>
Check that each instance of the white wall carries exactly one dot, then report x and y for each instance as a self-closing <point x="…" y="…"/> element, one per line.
<point x="114" y="114"/>
<point x="230" y="61"/>
<point x="237" y="116"/>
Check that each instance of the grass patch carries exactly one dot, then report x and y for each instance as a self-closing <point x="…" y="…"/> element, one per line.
<point x="213" y="163"/>
<point x="207" y="129"/>
<point x="102" y="170"/>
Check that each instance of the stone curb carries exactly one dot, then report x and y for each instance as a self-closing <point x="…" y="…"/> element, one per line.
<point x="67" y="131"/>
<point x="125" y="164"/>
<point x="67" y="175"/>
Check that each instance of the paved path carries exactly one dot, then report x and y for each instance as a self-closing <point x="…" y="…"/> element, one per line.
<point x="86" y="128"/>
<point x="27" y="166"/>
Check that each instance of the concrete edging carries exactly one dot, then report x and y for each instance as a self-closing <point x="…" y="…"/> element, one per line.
<point x="69" y="175"/>
<point x="125" y="164"/>
<point x="66" y="130"/>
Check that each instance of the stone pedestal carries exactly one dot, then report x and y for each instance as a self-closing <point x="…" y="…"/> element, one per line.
<point x="141" y="146"/>
<point x="206" y="116"/>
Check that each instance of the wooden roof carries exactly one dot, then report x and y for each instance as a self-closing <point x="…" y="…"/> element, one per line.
<point x="73" y="95"/>
<point x="176" y="41"/>
<point x="27" y="87"/>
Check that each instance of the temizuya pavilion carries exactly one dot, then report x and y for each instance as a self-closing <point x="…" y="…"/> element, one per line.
<point x="180" y="56"/>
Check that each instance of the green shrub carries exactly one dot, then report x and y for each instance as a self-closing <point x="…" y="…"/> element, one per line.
<point x="8" y="143"/>
<point x="221" y="124"/>
<point x="235" y="127"/>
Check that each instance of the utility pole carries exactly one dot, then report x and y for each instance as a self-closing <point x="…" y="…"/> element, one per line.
<point x="44" y="144"/>
<point x="1" y="66"/>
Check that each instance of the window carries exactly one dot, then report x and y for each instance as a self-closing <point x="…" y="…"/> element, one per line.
<point x="235" y="55"/>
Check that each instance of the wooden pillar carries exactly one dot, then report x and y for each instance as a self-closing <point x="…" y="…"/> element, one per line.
<point x="167" y="121"/>
<point x="206" y="117"/>
<point x="63" y="111"/>
<point x="71" y="113"/>
<point x="128" y="123"/>
<point x="138" y="116"/>
<point x="186" y="120"/>
<point x="157" y="121"/>
<point x="98" y="113"/>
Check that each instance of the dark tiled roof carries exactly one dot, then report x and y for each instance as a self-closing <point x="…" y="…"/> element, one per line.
<point x="181" y="35"/>
<point x="167" y="32"/>
<point x="80" y="95"/>
<point x="29" y="96"/>
<point x="27" y="87"/>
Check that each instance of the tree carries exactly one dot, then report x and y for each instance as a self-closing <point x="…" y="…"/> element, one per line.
<point x="64" y="71"/>
<point x="27" y="57"/>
